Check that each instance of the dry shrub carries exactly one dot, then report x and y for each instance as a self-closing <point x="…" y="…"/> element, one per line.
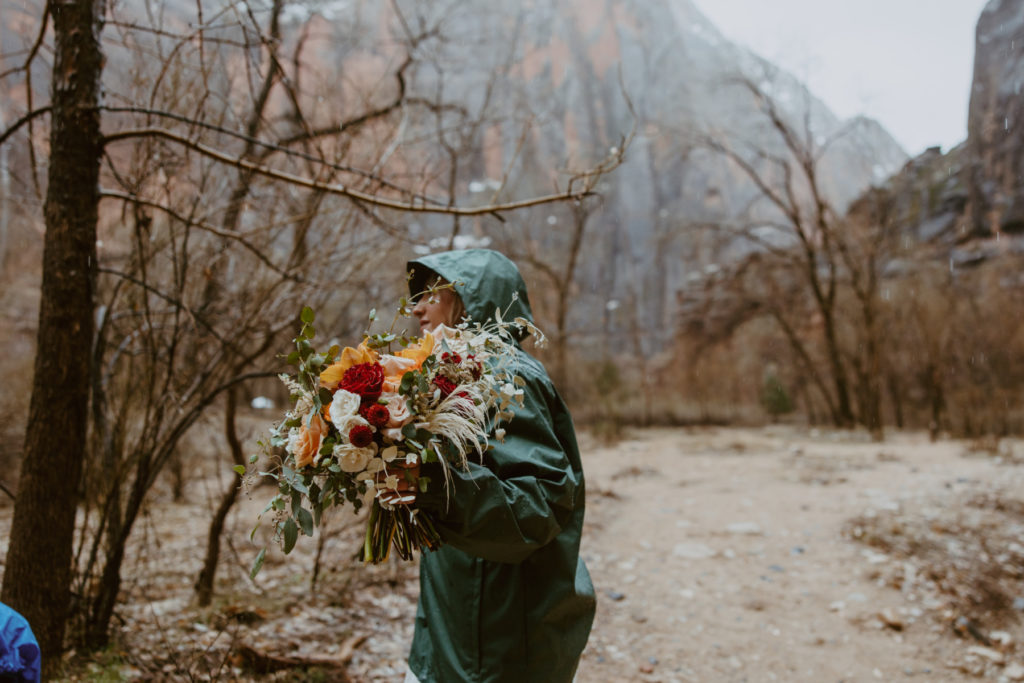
<point x="966" y="556"/>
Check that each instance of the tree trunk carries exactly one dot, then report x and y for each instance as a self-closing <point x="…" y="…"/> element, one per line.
<point x="102" y="607"/>
<point x="38" y="572"/>
<point x="843" y="416"/>
<point x="204" y="584"/>
<point x="561" y="371"/>
<point x="5" y="198"/>
<point x="896" y="396"/>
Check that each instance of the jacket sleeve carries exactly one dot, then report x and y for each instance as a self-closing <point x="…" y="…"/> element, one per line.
<point x="521" y="495"/>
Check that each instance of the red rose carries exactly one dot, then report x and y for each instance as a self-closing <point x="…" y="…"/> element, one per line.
<point x="375" y="414"/>
<point x="445" y="385"/>
<point x="360" y="436"/>
<point x="365" y="379"/>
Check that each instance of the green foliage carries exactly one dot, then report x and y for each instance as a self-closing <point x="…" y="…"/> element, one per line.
<point x="774" y="397"/>
<point x="607" y="381"/>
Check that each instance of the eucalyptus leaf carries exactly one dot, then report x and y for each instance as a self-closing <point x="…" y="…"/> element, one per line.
<point x="408" y="379"/>
<point x="240" y="469"/>
<point x="257" y="565"/>
<point x="305" y="521"/>
<point x="307" y="315"/>
<point x="290" y="532"/>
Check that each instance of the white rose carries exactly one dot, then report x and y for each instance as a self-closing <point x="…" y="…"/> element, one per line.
<point x="352" y="459"/>
<point x="345" y="404"/>
<point x="347" y="423"/>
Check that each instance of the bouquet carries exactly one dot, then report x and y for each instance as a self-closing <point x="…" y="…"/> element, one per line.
<point x="364" y="419"/>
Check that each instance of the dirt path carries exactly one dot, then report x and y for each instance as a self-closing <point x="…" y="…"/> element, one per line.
<point x="720" y="556"/>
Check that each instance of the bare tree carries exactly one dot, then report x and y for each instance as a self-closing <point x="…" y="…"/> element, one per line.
<point x="231" y="195"/>
<point x="38" y="574"/>
<point x="801" y="251"/>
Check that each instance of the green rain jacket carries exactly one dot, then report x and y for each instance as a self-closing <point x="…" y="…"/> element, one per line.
<point x="507" y="598"/>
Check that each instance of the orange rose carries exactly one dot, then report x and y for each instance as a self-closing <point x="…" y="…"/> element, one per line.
<point x="409" y="358"/>
<point x="307" y="446"/>
<point x="331" y="376"/>
<point x="419" y="352"/>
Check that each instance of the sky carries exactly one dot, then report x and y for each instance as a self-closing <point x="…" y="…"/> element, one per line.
<point x="905" y="63"/>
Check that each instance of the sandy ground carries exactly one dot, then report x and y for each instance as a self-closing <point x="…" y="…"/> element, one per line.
<point x="721" y="556"/>
<point x="717" y="554"/>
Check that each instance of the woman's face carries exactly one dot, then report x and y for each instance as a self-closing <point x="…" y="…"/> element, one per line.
<point x="435" y="308"/>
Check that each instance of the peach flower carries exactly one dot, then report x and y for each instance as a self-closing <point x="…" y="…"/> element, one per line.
<point x="306" y="444"/>
<point x="398" y="410"/>
<point x="409" y="358"/>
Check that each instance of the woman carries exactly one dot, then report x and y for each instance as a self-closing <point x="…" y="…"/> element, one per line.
<point x="507" y="597"/>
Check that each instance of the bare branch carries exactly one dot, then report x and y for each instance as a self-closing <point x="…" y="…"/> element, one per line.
<point x="227" y="234"/>
<point x="22" y="121"/>
<point x="34" y="50"/>
<point x="343" y="190"/>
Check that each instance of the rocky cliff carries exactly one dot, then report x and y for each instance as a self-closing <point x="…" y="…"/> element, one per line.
<point x="575" y="63"/>
<point x="995" y="140"/>
<point x="967" y="206"/>
<point x="531" y="88"/>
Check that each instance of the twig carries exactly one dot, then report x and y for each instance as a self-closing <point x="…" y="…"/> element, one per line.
<point x="343" y="190"/>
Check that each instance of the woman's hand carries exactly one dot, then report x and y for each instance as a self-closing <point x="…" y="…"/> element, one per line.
<point x="404" y="492"/>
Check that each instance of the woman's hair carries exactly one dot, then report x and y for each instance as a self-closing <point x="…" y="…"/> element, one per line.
<point x="458" y="311"/>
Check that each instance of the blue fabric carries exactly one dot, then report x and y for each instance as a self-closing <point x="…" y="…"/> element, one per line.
<point x="19" y="649"/>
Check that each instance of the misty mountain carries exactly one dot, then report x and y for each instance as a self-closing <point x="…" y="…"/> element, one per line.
<point x="542" y="88"/>
<point x="579" y="64"/>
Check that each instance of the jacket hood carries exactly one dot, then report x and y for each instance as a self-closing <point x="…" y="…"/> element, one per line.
<point x="485" y="280"/>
